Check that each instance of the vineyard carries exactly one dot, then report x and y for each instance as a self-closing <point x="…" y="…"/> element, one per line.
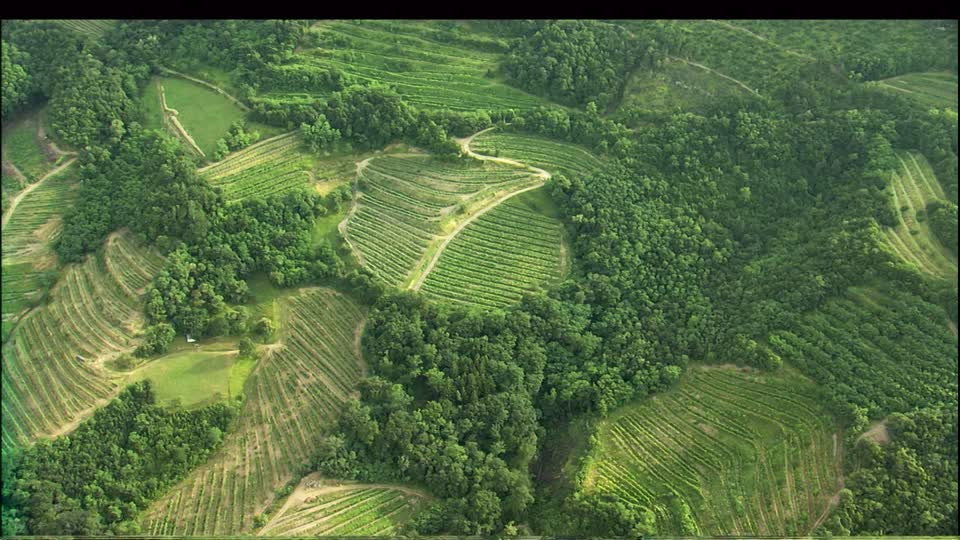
<point x="407" y="203"/>
<point x="551" y="155"/>
<point x="29" y="263"/>
<point x="347" y="510"/>
<point x="93" y="28"/>
<point x="51" y="372"/>
<point x="22" y="149"/>
<point x="495" y="259"/>
<point x="724" y="453"/>
<point x="297" y="387"/>
<point x="409" y="55"/>
<point x="931" y="89"/>
<point x="270" y="167"/>
<point x="913" y="187"/>
<point x="863" y="345"/>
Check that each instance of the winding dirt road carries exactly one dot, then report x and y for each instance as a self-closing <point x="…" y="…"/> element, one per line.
<point x="465" y="145"/>
<point x="16" y="200"/>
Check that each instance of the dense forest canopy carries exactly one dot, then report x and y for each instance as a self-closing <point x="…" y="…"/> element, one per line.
<point x="753" y="230"/>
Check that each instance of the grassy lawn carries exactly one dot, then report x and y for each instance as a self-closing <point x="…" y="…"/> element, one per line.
<point x="195" y="378"/>
<point x="205" y="114"/>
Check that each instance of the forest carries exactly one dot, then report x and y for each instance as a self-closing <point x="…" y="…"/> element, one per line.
<point x="755" y="229"/>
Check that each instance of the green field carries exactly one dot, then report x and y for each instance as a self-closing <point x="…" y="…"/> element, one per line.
<point x="865" y="332"/>
<point x="50" y="374"/>
<point x="29" y="263"/>
<point x="270" y="167"/>
<point x="551" y="155"/>
<point x="190" y="378"/>
<point x="407" y="203"/>
<point x="92" y="28"/>
<point x="511" y="249"/>
<point x="348" y="511"/>
<point x="421" y="59"/>
<point x="933" y="89"/>
<point x="205" y="114"/>
<point x="297" y="388"/>
<point x="22" y="149"/>
<point x="723" y="453"/>
<point x="675" y="86"/>
<point x="913" y="187"/>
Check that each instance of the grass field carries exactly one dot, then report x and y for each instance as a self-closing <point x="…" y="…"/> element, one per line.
<point x="297" y="387"/>
<point x="51" y="372"/>
<point x="866" y="331"/>
<point x="408" y="203"/>
<point x="192" y="378"/>
<point x="205" y="115"/>
<point x="411" y="56"/>
<point x="676" y="86"/>
<point x="723" y="453"/>
<point x="345" y="510"/>
<point x="511" y="249"/>
<point x="914" y="186"/>
<point x="936" y="89"/>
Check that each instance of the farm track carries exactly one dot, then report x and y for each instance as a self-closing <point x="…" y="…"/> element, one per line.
<point x="762" y="38"/>
<point x="717" y="73"/>
<point x="465" y="145"/>
<point x="16" y="200"/>
<point x="211" y="86"/>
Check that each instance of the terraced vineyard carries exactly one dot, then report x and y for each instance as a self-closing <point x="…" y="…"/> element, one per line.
<point x="50" y="373"/>
<point x="547" y="154"/>
<point x="296" y="388"/>
<point x="270" y="167"/>
<point x="495" y="259"/>
<point x="410" y="56"/>
<point x="93" y="28"/>
<point x="724" y="453"/>
<point x="913" y="187"/>
<point x="865" y="332"/>
<point x="406" y="203"/>
<point x="933" y="89"/>
<point x="27" y="237"/>
<point x="351" y="510"/>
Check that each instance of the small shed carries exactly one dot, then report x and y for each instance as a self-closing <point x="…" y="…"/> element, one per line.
<point x="190" y="339"/>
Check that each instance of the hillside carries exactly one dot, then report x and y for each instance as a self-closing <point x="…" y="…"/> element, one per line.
<point x="566" y="278"/>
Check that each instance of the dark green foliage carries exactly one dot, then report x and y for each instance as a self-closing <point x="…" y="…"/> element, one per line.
<point x="156" y="339"/>
<point x="370" y="117"/>
<point x="573" y="62"/>
<point x="908" y="486"/>
<point x="237" y="138"/>
<point x="271" y="236"/>
<point x="319" y="135"/>
<point x="16" y="82"/>
<point x="97" y="479"/>
<point x="943" y="221"/>
<point x="459" y="417"/>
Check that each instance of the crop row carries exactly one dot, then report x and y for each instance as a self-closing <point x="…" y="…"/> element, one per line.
<point x="539" y="152"/>
<point x="502" y="254"/>
<point x="691" y="444"/>
<point x="46" y="359"/>
<point x="297" y="388"/>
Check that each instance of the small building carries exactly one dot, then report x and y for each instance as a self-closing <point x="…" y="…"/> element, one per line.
<point x="190" y="339"/>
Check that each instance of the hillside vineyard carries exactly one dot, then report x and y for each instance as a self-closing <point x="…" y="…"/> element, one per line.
<point x="596" y="278"/>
